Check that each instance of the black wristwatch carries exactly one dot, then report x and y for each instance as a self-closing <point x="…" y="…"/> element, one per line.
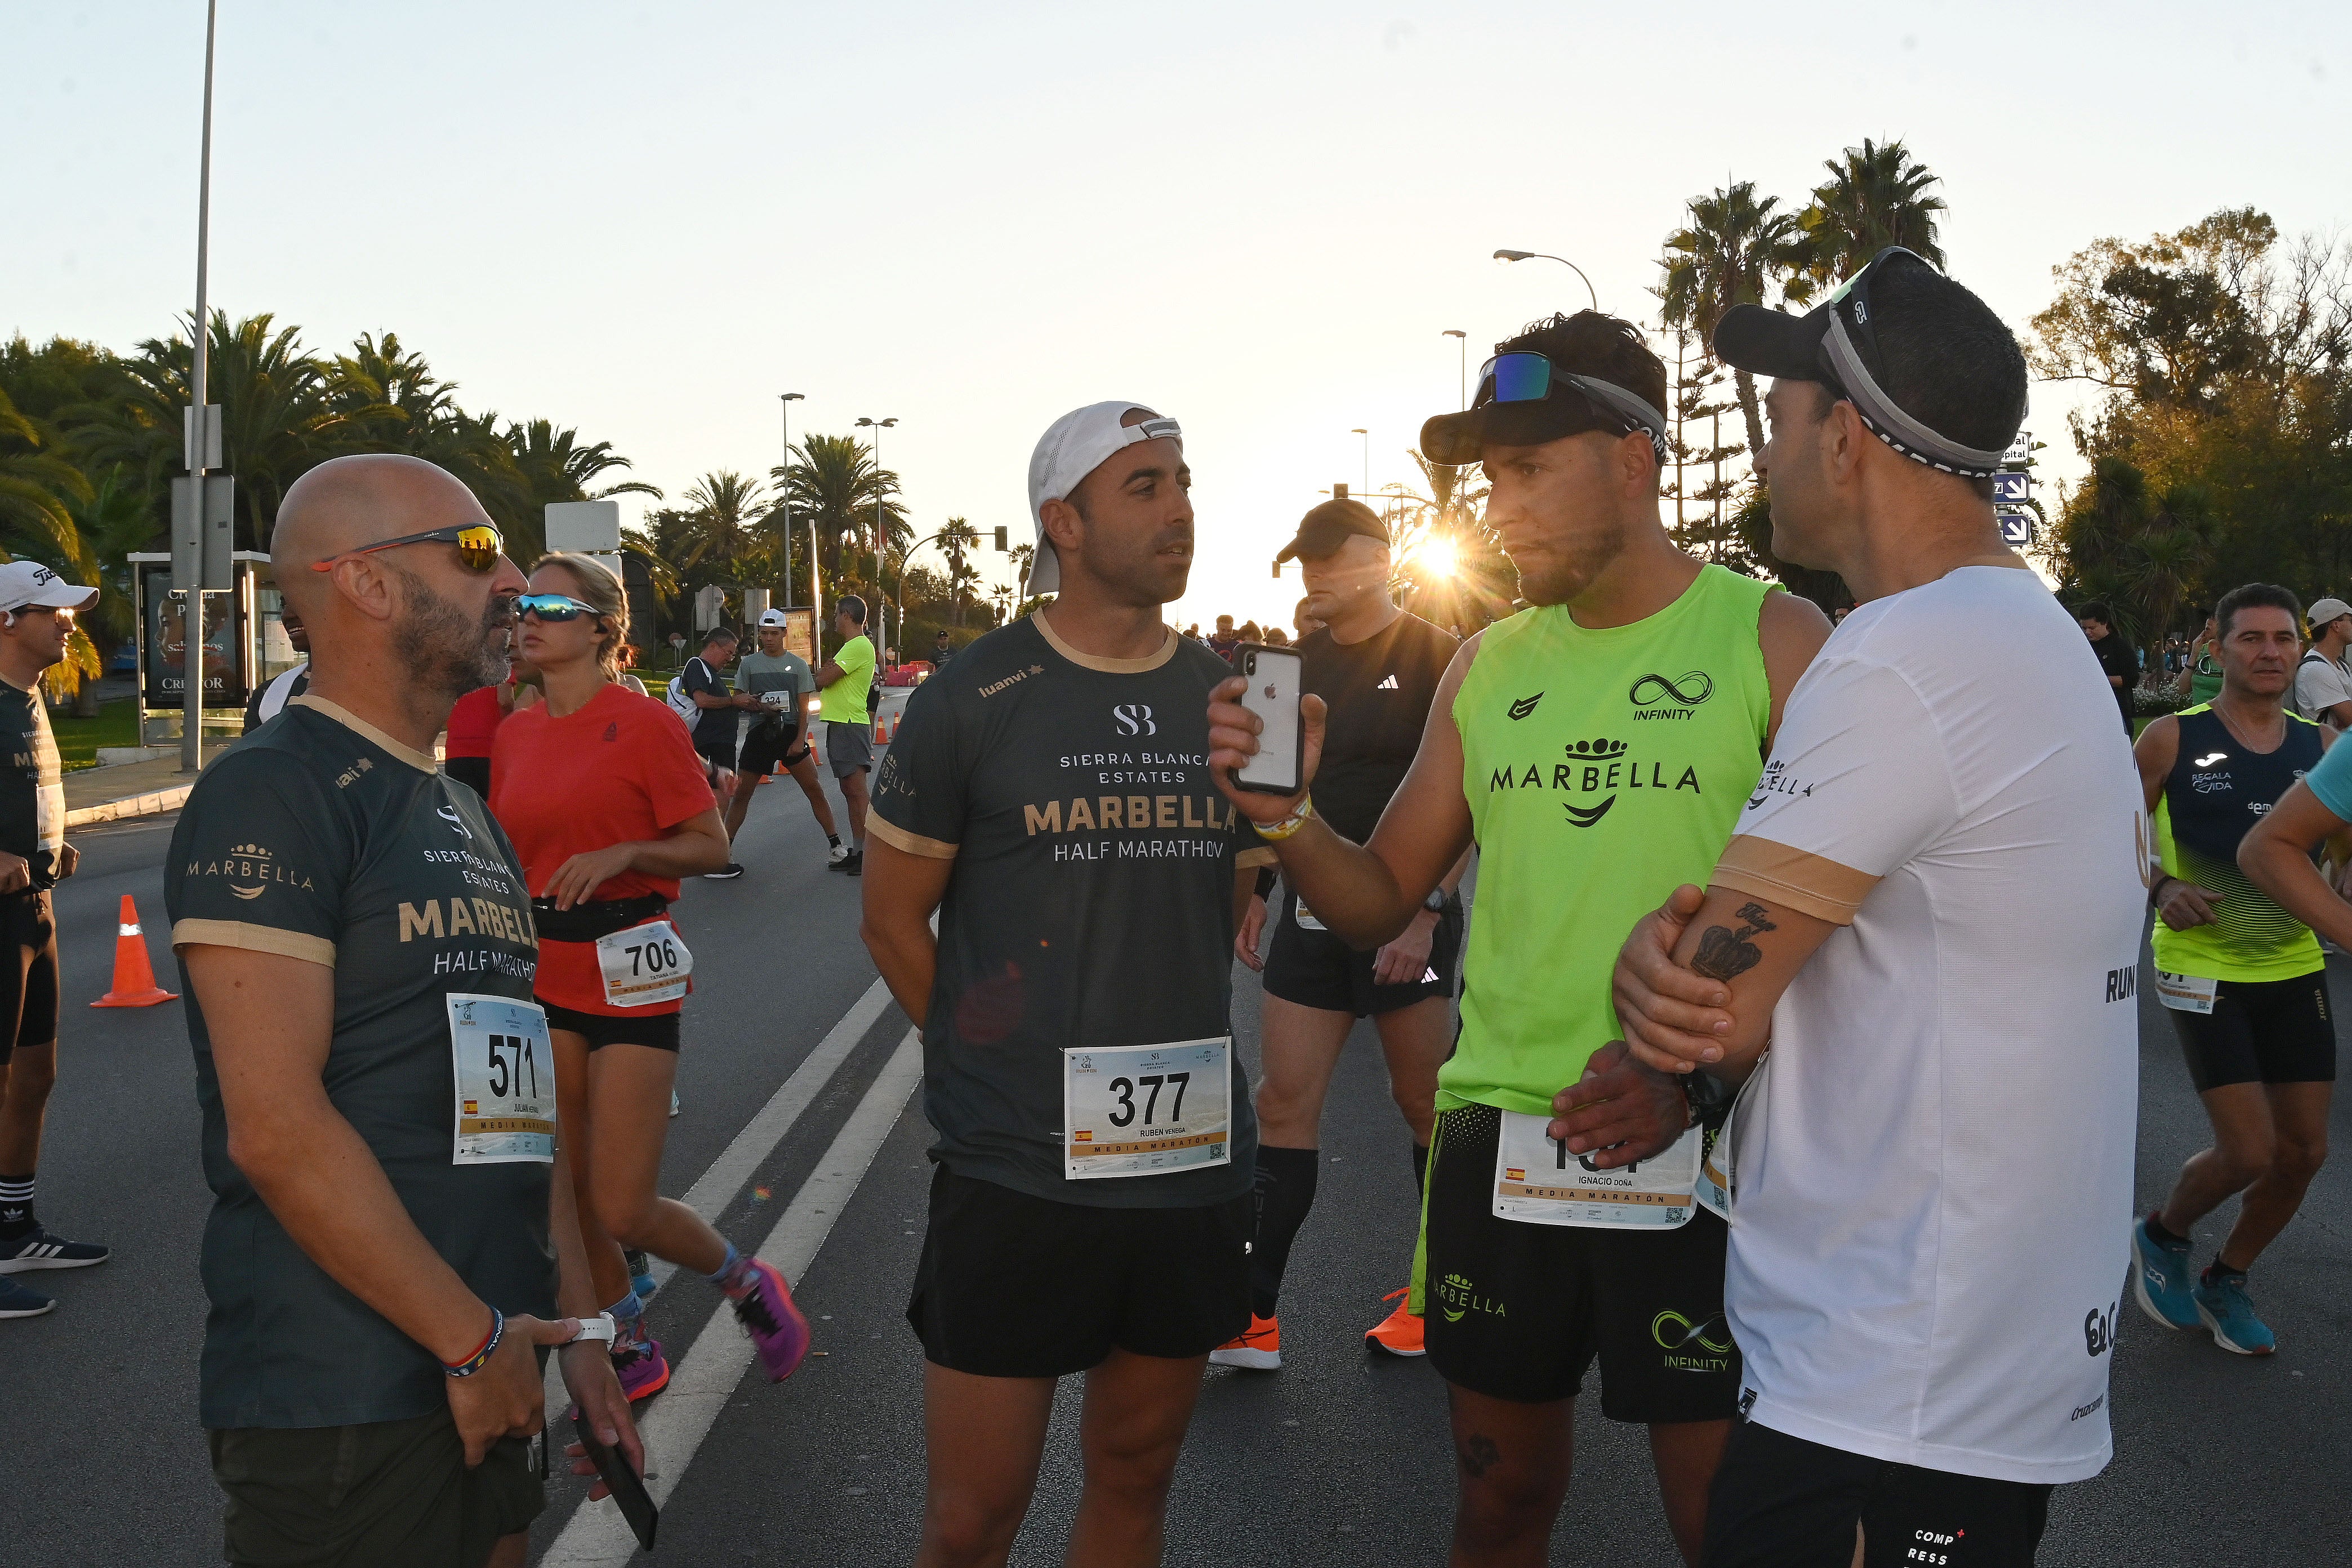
<point x="1709" y="1099"/>
<point x="1436" y="901"/>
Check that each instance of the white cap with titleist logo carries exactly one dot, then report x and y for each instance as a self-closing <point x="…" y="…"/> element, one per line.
<point x="1074" y="446"/>
<point x="24" y="583"/>
<point x="772" y="618"/>
<point x="2324" y="611"/>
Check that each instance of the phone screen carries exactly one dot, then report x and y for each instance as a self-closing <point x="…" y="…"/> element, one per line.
<point x="1273" y="674"/>
<point x="627" y="1488"/>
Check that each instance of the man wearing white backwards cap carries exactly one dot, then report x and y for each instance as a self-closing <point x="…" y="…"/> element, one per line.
<point x="1048" y="797"/>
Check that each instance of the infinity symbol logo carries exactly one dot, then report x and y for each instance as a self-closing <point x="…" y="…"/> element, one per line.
<point x="1694" y="687"/>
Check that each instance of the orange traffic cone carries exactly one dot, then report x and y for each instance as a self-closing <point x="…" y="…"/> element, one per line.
<point x="134" y="977"/>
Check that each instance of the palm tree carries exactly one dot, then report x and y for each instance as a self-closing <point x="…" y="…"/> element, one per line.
<point x="1876" y="195"/>
<point x="1739" y="248"/>
<point x="956" y="540"/>
<point x="723" y="515"/>
<point x="38" y="490"/>
<point x="835" y="486"/>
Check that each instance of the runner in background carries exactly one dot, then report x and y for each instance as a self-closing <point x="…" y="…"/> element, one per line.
<point x="2323" y="684"/>
<point x="287" y="683"/>
<point x="607" y="810"/>
<point x="36" y="615"/>
<point x="777" y="684"/>
<point x="2201" y="671"/>
<point x="1090" y="1212"/>
<point x="1377" y="671"/>
<point x="2242" y="980"/>
<point x="845" y="679"/>
<point x="356" y="952"/>
<point x="721" y="715"/>
<point x="1598" y="748"/>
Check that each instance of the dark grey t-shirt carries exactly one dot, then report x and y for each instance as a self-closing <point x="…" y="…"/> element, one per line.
<point x="760" y="673"/>
<point x="321" y="838"/>
<point x="1063" y="926"/>
<point x="32" y="785"/>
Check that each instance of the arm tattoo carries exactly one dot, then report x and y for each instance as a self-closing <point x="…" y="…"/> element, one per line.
<point x="1724" y="953"/>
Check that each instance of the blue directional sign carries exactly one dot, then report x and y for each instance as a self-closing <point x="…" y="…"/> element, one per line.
<point x="2012" y="488"/>
<point x="2016" y="526"/>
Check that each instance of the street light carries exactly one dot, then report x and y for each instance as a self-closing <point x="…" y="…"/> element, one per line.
<point x="199" y="442"/>
<point x="816" y="610"/>
<point x="877" y="426"/>
<point x="908" y="554"/>
<point x="1458" y="333"/>
<point x="1368" y="457"/>
<point x="1564" y="261"/>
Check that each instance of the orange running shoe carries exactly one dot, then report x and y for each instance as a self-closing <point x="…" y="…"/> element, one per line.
<point x="1259" y="1349"/>
<point x="1399" y="1333"/>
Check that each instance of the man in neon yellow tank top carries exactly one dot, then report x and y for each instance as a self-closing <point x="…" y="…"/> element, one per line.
<point x="1598" y="748"/>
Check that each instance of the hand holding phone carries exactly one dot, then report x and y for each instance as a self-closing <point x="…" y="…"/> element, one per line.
<point x="626" y="1487"/>
<point x="1272" y="694"/>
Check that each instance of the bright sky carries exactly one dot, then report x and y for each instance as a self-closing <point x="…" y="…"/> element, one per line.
<point x="648" y="220"/>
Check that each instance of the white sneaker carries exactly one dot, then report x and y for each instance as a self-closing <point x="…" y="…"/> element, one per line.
<point x="673" y="1102"/>
<point x="836" y="855"/>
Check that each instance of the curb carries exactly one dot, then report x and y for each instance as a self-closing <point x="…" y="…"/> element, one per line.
<point x="129" y="807"/>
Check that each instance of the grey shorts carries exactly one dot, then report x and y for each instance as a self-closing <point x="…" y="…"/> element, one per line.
<point x="391" y="1494"/>
<point x="848" y="748"/>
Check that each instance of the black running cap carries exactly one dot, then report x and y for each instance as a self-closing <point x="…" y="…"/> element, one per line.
<point x="1322" y="530"/>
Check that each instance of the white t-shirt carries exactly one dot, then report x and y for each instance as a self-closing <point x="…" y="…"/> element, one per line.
<point x="1929" y="1241"/>
<point x="2320" y="683"/>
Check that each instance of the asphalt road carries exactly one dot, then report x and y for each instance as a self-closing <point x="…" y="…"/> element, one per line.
<point x="1339" y="1458"/>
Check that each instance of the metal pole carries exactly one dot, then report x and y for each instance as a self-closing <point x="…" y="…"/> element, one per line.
<point x="1368" y="457"/>
<point x="191" y="604"/>
<point x="786" y="402"/>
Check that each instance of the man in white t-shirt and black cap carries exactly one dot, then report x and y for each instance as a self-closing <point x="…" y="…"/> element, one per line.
<point x="1931" y="913"/>
<point x="2323" y="683"/>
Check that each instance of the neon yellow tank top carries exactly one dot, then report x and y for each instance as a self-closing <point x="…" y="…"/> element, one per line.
<point x="1604" y="769"/>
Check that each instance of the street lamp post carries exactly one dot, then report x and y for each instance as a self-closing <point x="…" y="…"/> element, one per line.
<point x="1564" y="261"/>
<point x="199" y="439"/>
<point x="1367" y="457"/>
<point x="1458" y="333"/>
<point x="877" y="426"/>
<point x="816" y="636"/>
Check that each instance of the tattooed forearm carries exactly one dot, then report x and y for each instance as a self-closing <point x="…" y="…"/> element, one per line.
<point x="1724" y="953"/>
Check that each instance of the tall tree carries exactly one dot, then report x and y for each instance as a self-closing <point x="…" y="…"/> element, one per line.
<point x="1737" y="248"/>
<point x="834" y="487"/>
<point x="38" y="485"/>
<point x="957" y="540"/>
<point x="1876" y="195"/>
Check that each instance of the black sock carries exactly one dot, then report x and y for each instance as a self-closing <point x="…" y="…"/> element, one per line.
<point x="832" y="840"/>
<point x="1419" y="1169"/>
<point x="2161" y="1236"/>
<point x="2217" y="1271"/>
<point x="16" y="1206"/>
<point x="1284" y="1192"/>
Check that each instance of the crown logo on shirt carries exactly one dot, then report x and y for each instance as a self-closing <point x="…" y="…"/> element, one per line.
<point x="1600" y="750"/>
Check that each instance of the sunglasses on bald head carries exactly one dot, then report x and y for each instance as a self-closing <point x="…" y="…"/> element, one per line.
<point x="479" y="547"/>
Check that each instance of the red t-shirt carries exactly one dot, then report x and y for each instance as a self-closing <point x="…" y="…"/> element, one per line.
<point x="474" y="722"/>
<point x="618" y="771"/>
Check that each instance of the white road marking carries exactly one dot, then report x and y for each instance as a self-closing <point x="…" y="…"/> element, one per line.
<point x="675" y="1425"/>
<point x="719" y="1184"/>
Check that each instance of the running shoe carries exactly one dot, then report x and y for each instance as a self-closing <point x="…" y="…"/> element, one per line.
<point x="37" y="1248"/>
<point x="673" y="1102"/>
<point x="725" y="873"/>
<point x="2228" y="1312"/>
<point x="777" y="1328"/>
<point x="641" y="1273"/>
<point x="1259" y="1349"/>
<point x="638" y="1361"/>
<point x="2161" y="1279"/>
<point x="856" y="864"/>
<point x="22" y="1302"/>
<point x="1399" y="1333"/>
<point x="835" y="855"/>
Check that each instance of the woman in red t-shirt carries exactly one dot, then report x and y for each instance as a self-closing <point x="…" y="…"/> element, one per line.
<point x="603" y="798"/>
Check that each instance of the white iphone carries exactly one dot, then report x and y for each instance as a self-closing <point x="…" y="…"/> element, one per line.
<point x="1273" y="674"/>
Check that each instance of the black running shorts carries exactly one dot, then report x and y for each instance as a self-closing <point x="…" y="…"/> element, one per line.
<point x="718" y="754"/>
<point x="1514" y="1310"/>
<point x="2260" y="1031"/>
<point x="1014" y="1286"/>
<point x="771" y="749"/>
<point x="1781" y="1502"/>
<point x="1316" y="969"/>
<point x="29" y="972"/>
<point x="659" y="1030"/>
<point x="388" y="1494"/>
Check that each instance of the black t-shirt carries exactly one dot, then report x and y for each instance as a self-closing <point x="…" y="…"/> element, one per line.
<point x="1092" y="900"/>
<point x="32" y="786"/>
<point x="1378" y="691"/>
<point x="713" y="726"/>
<point x="322" y="838"/>
<point x="2116" y="658"/>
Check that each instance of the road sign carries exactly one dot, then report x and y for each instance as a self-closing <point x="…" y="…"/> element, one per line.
<point x="589" y="527"/>
<point x="2019" y="451"/>
<point x="202" y="536"/>
<point x="2012" y="488"/>
<point x="2016" y="525"/>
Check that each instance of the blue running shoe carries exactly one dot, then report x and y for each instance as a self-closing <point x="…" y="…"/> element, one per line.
<point x="37" y="1248"/>
<point x="18" y="1301"/>
<point x="2228" y="1312"/>
<point x="2161" y="1279"/>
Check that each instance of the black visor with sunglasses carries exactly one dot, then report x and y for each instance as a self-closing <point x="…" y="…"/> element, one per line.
<point x="480" y="546"/>
<point x="1524" y="400"/>
<point x="1837" y="344"/>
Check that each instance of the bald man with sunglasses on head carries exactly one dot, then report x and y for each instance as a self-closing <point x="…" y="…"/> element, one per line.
<point x="392" y="1226"/>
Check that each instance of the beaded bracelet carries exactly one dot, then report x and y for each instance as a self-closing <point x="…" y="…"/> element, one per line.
<point x="1275" y="832"/>
<point x="481" y="1358"/>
